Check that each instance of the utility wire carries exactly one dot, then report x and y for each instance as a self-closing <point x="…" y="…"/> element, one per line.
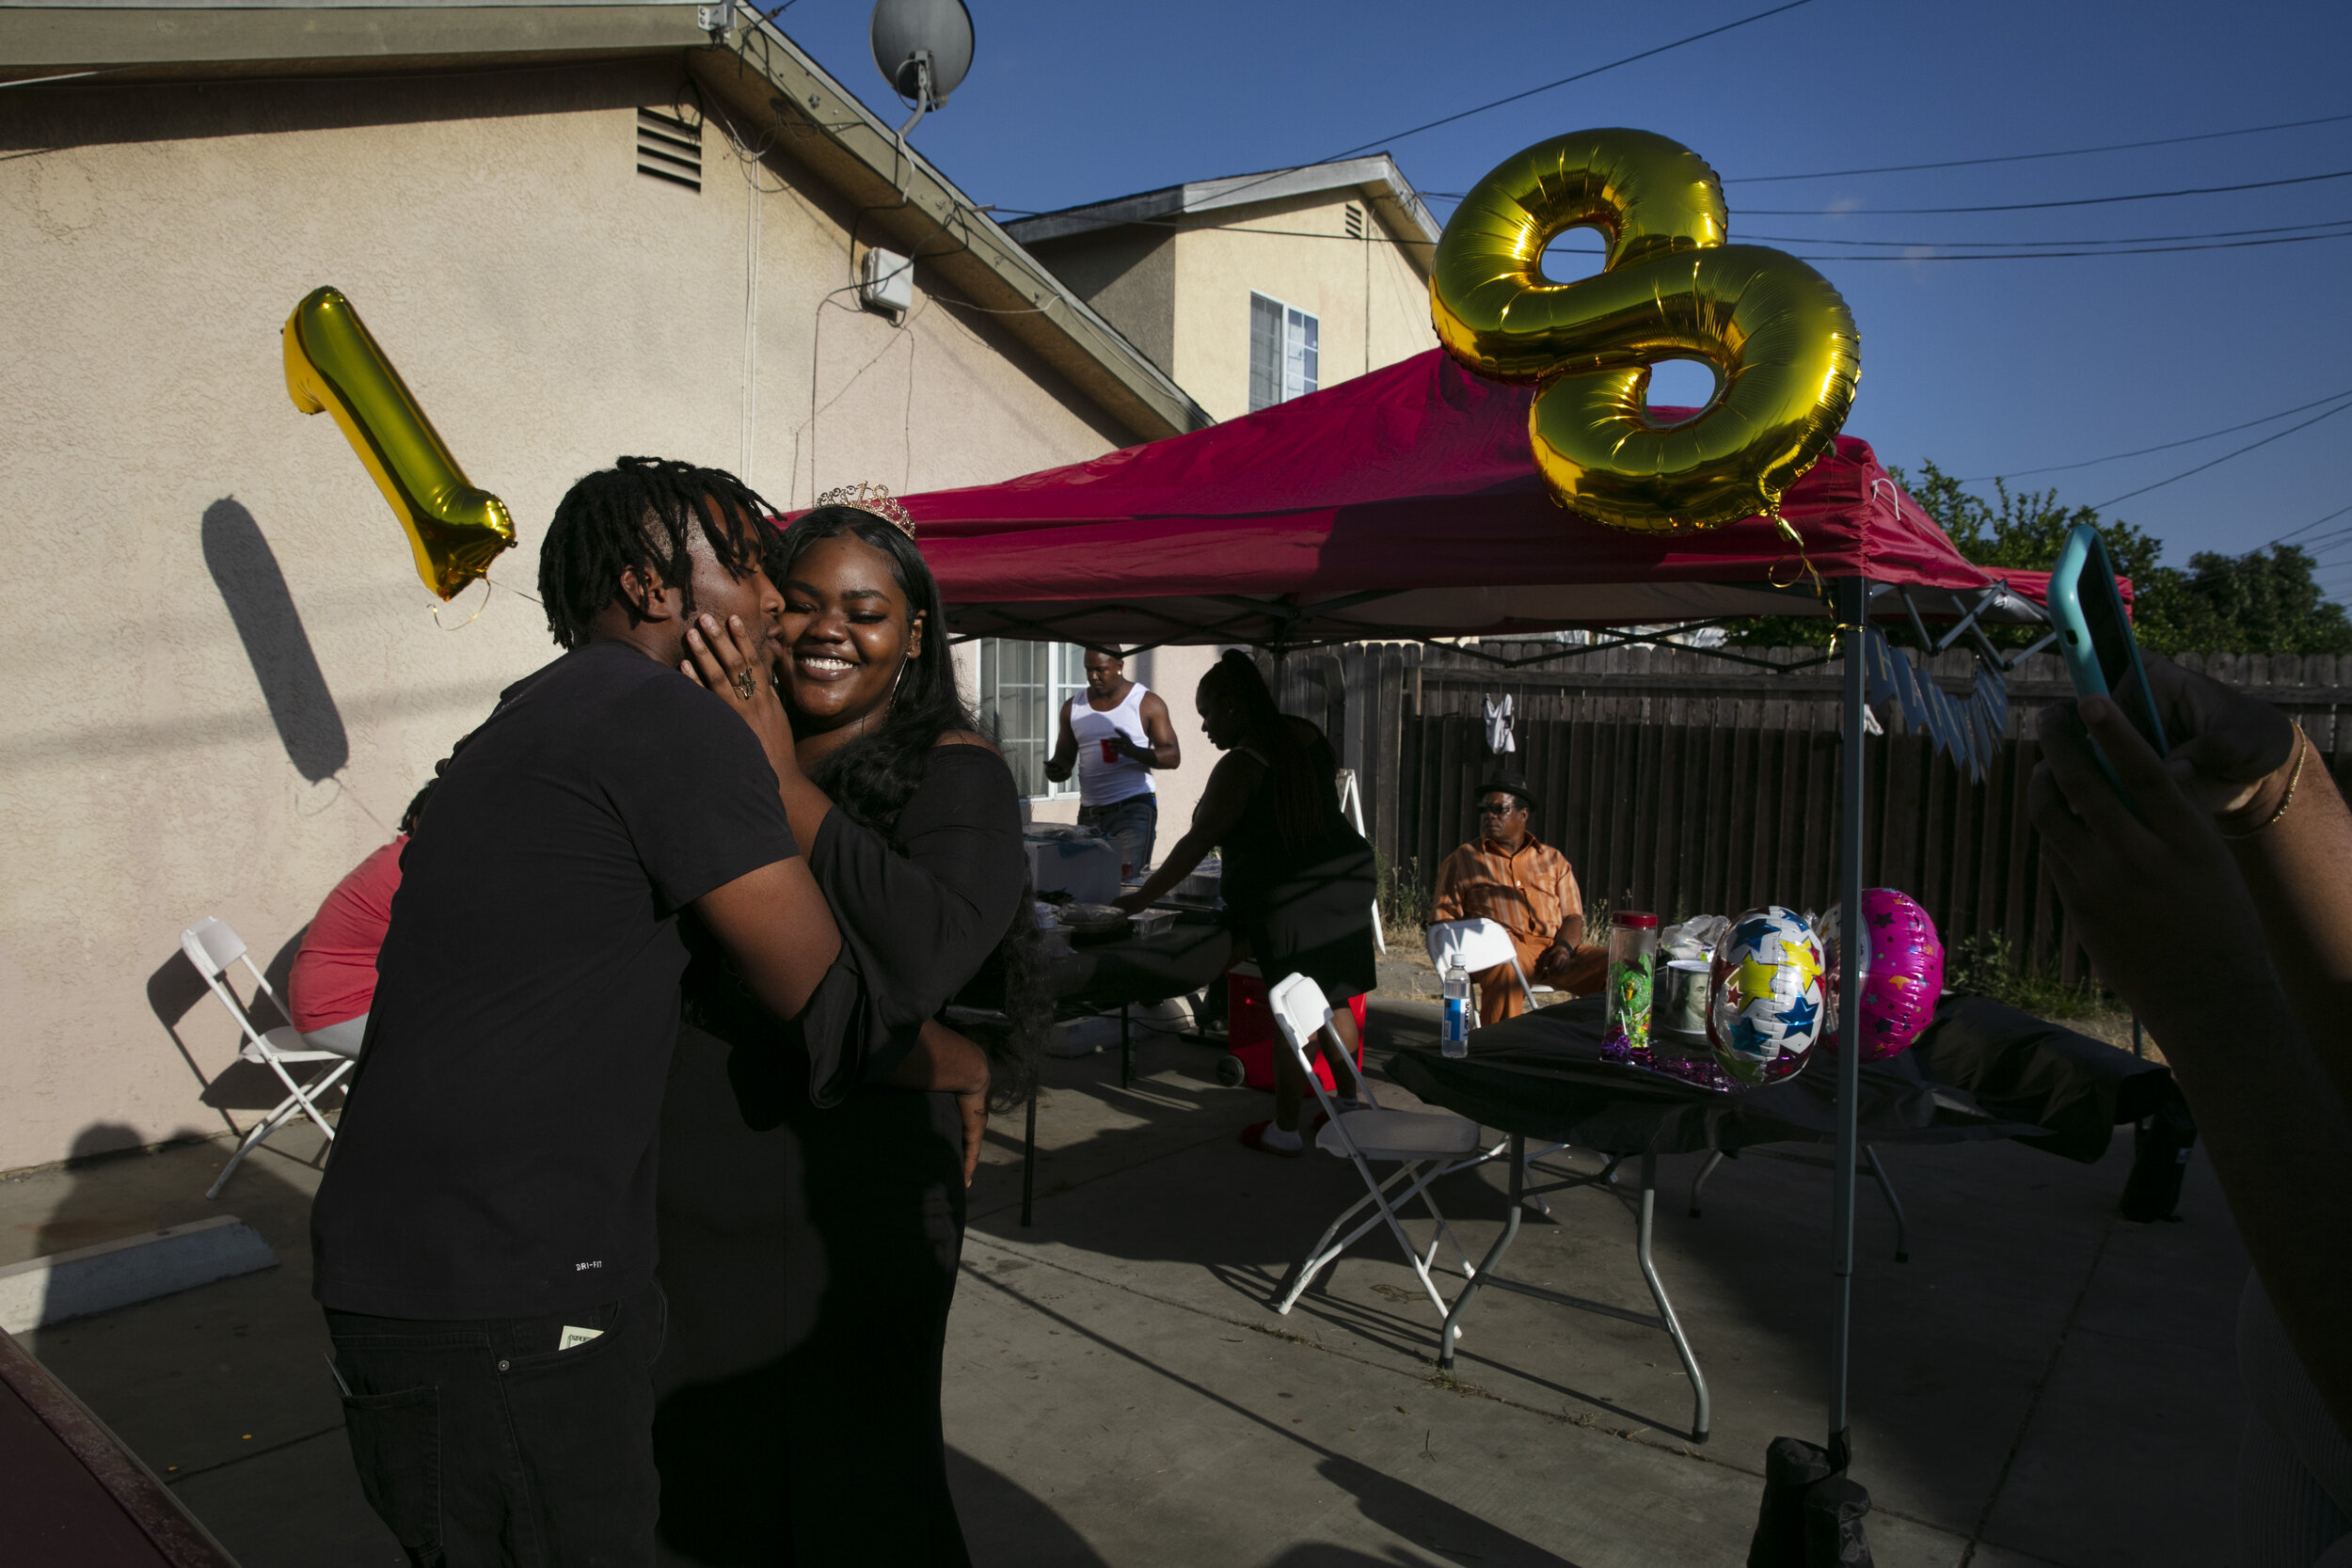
<point x="1986" y="245"/>
<point x="2225" y="457"/>
<point x="2343" y="231"/>
<point x="2038" y="206"/>
<point x="2005" y="158"/>
<point x="1431" y="125"/>
<point x="1514" y="97"/>
<point x="2029" y="157"/>
<point x="2018" y="206"/>
<point x="2168" y="446"/>
<point x="2062" y="254"/>
<point x="2289" y="538"/>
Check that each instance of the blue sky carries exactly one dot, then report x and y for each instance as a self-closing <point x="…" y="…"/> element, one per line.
<point x="1987" y="366"/>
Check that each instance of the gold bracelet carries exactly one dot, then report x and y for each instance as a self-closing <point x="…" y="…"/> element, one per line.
<point x="2302" y="754"/>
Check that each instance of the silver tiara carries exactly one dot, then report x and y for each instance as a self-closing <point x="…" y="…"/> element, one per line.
<point x="867" y="496"/>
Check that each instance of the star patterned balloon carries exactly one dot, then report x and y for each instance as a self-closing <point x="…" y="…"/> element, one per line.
<point x="1901" y="965"/>
<point x="1764" y="996"/>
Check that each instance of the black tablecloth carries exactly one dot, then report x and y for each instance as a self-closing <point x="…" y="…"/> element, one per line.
<point x="1186" y="957"/>
<point x="2074" y="1088"/>
<point x="1541" y="1074"/>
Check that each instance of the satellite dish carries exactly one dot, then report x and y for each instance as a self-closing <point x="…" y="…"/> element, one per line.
<point x="923" y="48"/>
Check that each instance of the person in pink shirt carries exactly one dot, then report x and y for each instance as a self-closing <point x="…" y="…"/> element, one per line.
<point x="333" y="981"/>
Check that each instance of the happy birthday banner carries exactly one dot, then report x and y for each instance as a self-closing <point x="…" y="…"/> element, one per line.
<point x="1967" y="729"/>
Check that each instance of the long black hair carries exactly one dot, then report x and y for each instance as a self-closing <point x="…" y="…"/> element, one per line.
<point x="1303" y="801"/>
<point x="873" y="777"/>
<point x="641" y="512"/>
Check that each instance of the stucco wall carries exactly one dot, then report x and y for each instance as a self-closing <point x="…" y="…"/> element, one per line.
<point x="1129" y="274"/>
<point x="1372" y="306"/>
<point x="225" y="679"/>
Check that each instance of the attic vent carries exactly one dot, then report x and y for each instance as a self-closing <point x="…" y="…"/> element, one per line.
<point x="670" y="148"/>
<point x="1354" y="221"/>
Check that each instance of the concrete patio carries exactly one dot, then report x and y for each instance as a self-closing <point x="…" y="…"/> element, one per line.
<point x="2041" y="1384"/>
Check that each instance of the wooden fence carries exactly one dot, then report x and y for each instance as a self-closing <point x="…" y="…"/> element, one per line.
<point x="1675" y="787"/>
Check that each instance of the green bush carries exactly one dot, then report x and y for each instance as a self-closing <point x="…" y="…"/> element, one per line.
<point x="1983" y="965"/>
<point x="1403" y="898"/>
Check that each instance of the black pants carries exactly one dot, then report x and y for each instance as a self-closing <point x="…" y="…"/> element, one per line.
<point x="482" y="1445"/>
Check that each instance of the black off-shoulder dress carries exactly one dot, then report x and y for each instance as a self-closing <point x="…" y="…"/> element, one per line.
<point x="811" y="1220"/>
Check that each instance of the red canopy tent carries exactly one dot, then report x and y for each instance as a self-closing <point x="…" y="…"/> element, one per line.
<point x="1404" y="504"/>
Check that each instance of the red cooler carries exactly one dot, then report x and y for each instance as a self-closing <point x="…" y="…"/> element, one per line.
<point x="1250" y="1039"/>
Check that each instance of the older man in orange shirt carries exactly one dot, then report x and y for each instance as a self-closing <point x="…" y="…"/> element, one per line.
<point x="1509" y="875"/>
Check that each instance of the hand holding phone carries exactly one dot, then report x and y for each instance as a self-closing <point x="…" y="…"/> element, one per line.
<point x="2095" y="638"/>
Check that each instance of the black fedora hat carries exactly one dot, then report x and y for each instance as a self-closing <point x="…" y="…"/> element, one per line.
<point x="1508" y="783"/>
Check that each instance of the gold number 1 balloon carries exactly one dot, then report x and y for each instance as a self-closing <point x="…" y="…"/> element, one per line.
<point x="1779" y="337"/>
<point x="333" y="365"/>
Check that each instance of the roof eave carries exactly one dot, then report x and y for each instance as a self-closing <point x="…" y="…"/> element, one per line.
<point x="1377" y="179"/>
<point x="764" y="78"/>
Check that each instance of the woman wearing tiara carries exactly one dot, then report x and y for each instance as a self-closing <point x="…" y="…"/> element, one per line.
<point x="812" y="1192"/>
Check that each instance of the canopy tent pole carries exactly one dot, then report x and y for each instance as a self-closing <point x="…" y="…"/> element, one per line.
<point x="1853" y="598"/>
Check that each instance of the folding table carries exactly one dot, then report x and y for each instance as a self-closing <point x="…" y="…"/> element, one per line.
<point x="1091" y="981"/>
<point x="1542" y="1076"/>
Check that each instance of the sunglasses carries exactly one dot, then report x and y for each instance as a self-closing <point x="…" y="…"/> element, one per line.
<point x="1504" y="810"/>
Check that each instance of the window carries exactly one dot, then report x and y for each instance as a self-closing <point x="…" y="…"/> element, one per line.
<point x="1283" y="356"/>
<point x="1023" y="686"/>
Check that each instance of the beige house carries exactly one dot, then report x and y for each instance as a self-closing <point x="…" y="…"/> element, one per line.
<point x="579" y="232"/>
<point x="1248" y="291"/>
<point x="1253" y="289"/>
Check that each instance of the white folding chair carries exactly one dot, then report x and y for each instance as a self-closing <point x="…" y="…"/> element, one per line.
<point x="212" y="947"/>
<point x="1482" y="943"/>
<point x="1476" y="945"/>
<point x="1425" y="1144"/>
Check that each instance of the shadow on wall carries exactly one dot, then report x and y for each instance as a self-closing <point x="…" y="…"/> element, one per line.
<point x="245" y="571"/>
<point x="176" y="990"/>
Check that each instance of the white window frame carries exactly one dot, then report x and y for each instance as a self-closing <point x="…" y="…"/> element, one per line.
<point x="1064" y="677"/>
<point x="1298" y="369"/>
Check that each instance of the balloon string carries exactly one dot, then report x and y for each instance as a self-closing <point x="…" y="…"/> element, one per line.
<point x="1796" y="546"/>
<point x="487" y="587"/>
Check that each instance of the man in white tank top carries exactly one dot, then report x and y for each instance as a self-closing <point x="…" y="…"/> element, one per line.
<point x="1115" y="736"/>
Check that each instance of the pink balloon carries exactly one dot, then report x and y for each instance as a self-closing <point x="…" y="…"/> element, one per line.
<point x="1902" y="973"/>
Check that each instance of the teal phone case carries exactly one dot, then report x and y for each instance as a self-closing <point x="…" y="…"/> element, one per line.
<point x="2084" y="559"/>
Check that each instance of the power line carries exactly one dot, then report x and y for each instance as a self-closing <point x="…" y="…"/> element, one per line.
<point x="1514" y="97"/>
<point x="2168" y="446"/>
<point x="2029" y="157"/>
<point x="2062" y="254"/>
<point x="2226" y="456"/>
<point x="2288" y="538"/>
<point x="1728" y="26"/>
<point x="2038" y="206"/>
<point x="2345" y="232"/>
<point x="1982" y="244"/>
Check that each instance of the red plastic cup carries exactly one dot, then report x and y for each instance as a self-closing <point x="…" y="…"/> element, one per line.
<point x="1111" y="751"/>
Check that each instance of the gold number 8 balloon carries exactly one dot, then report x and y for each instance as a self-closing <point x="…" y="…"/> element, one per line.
<point x="1779" y="337"/>
<point x="334" y="366"/>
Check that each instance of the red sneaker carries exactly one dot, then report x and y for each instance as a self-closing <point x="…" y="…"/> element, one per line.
<point x="1253" y="1137"/>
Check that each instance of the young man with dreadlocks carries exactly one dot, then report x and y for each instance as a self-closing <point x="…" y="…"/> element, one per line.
<point x="484" y="1237"/>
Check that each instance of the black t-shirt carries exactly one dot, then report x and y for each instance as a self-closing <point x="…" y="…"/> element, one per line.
<point x="496" y="1158"/>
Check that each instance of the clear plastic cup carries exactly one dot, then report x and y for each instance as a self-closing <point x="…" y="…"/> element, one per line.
<point x="1632" y="974"/>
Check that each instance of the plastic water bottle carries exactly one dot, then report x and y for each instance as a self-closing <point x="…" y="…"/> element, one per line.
<point x="1456" y="1042"/>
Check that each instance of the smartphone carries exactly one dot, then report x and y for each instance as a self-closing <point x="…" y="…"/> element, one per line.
<point x="2095" y="638"/>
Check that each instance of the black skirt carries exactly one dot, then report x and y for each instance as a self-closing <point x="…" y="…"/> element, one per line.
<point x="810" y="1258"/>
<point x="1313" y="918"/>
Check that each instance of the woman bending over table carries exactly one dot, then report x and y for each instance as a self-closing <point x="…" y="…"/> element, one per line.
<point x="1299" y="882"/>
<point x="812" y="1192"/>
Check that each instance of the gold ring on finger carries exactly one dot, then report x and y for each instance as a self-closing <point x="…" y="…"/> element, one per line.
<point x="746" y="684"/>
